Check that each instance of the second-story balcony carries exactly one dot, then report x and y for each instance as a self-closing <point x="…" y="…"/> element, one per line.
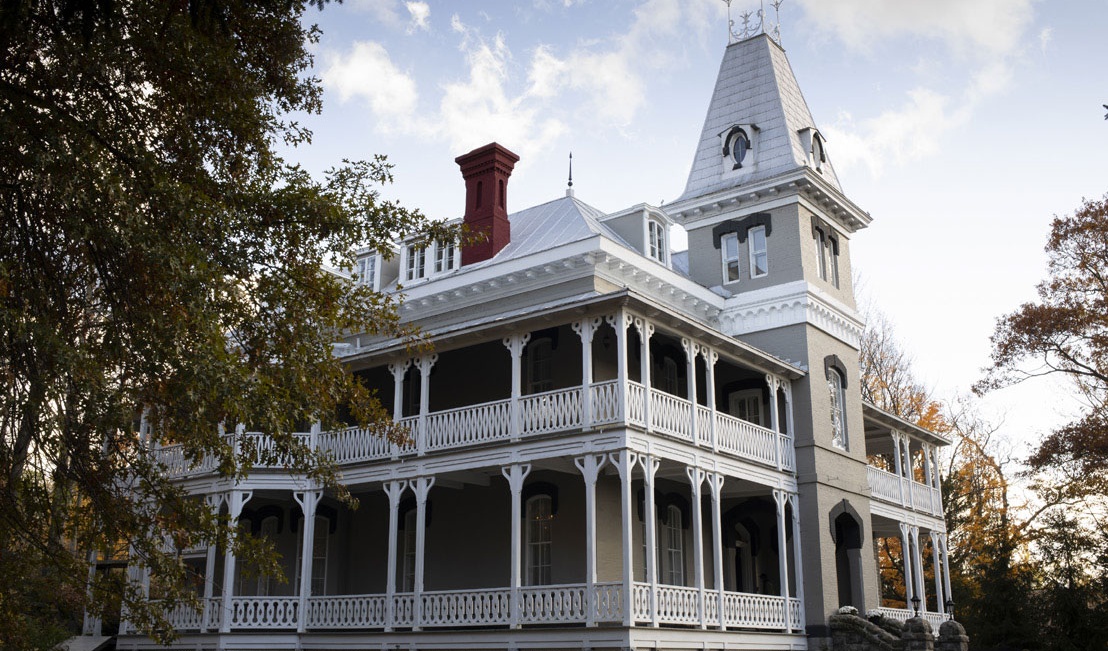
<point x="736" y="411"/>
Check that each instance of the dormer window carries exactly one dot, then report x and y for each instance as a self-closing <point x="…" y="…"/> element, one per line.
<point x="737" y="142"/>
<point x="418" y="262"/>
<point x="365" y="271"/>
<point x="814" y="144"/>
<point x="759" y="255"/>
<point x="657" y="246"/>
<point x="729" y="243"/>
<point x="819" y="157"/>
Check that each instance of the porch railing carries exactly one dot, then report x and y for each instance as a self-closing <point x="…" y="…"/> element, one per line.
<point x="560" y="410"/>
<point x="904" y="614"/>
<point x="538" y="605"/>
<point x="901" y="491"/>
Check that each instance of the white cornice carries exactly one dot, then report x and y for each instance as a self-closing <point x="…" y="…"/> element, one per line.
<point x="802" y="183"/>
<point x="791" y="304"/>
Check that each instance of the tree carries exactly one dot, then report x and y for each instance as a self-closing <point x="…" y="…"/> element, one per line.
<point x="1065" y="332"/>
<point x="162" y="269"/>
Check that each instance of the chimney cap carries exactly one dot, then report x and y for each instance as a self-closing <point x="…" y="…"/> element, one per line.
<point x="493" y="150"/>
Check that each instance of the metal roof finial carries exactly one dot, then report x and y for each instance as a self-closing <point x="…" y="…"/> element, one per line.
<point x="569" y="188"/>
<point x="732" y="37"/>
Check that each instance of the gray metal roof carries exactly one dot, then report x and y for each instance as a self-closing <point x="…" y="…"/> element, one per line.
<point x="755" y="86"/>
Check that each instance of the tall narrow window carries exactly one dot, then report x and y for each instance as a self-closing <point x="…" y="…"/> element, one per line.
<point x="675" y="547"/>
<point x="320" y="540"/>
<point x="668" y="377"/>
<point x="657" y="245"/>
<point x="540" y="366"/>
<point x="759" y="256"/>
<point x="833" y="253"/>
<point x="729" y="244"/>
<point x="539" y="516"/>
<point x="408" y="553"/>
<point x="366" y="271"/>
<point x="821" y="248"/>
<point x="266" y="583"/>
<point x="838" y="408"/>
<point x="444" y="256"/>
<point x="413" y="386"/>
<point x="417" y="263"/>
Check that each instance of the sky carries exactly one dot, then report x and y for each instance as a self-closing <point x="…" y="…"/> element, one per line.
<point x="961" y="126"/>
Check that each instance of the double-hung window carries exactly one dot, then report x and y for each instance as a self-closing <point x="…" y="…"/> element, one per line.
<point x="417" y="263"/>
<point x="319" y="556"/>
<point x="675" y="547"/>
<point x="444" y="256"/>
<point x="366" y="271"/>
<point x="759" y="255"/>
<point x="835" y="386"/>
<point x="656" y="232"/>
<point x="408" y="552"/>
<point x="539" y="516"/>
<point x="729" y="244"/>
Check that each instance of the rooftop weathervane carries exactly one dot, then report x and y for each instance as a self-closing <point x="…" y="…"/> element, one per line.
<point x="752" y="27"/>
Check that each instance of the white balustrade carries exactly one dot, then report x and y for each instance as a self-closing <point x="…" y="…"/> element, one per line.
<point x="678" y="605"/>
<point x="887" y="486"/>
<point x="351" y="611"/>
<point x="788" y="451"/>
<point x="605" y="402"/>
<point x="704" y="426"/>
<point x="264" y="612"/>
<point x="640" y="603"/>
<point x="404" y="609"/>
<point x="883" y="485"/>
<point x="466" y="607"/>
<point x="921" y="497"/>
<point x="183" y="617"/>
<point x="670" y="415"/>
<point x="743" y="610"/>
<point x="904" y="614"/>
<point x="469" y="425"/>
<point x="354" y="444"/>
<point x="747" y="440"/>
<point x="636" y="412"/>
<point x="550" y="411"/>
<point x="608" y="602"/>
<point x="552" y="604"/>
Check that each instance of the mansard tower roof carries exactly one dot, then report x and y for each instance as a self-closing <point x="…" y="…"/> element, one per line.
<point x="755" y="87"/>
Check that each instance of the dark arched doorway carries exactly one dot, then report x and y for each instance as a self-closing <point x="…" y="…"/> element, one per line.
<point x="848" y="555"/>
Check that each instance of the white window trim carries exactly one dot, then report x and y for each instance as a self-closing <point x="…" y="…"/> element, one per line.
<point x="837" y="395"/>
<point x="753" y="253"/>
<point x="320" y="551"/>
<point x="532" y="546"/>
<point x="408" y="552"/>
<point x="657" y="251"/>
<point x="675" y="547"/>
<point x="747" y="394"/>
<point x="369" y="267"/>
<point x="726" y="260"/>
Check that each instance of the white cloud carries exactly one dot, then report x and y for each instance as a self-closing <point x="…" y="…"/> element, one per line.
<point x="420" y="12"/>
<point x="1045" y="37"/>
<point x="385" y="11"/>
<point x="979" y="39"/>
<point x="367" y="72"/>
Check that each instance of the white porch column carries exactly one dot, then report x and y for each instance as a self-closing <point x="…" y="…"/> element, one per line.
<point x="590" y="466"/>
<point x="927" y="476"/>
<point x="692" y="349"/>
<point x="308" y="501"/>
<point x="696" y="478"/>
<point x="515" y="344"/>
<point x="787" y="387"/>
<point x="906" y="555"/>
<point x="650" y="468"/>
<point x="214" y="501"/>
<point x="917" y="558"/>
<point x="773" y="383"/>
<point x="946" y="568"/>
<point x="937" y="564"/>
<point x="516" y="474"/>
<point x="585" y="329"/>
<point x="620" y="321"/>
<point x="646" y="331"/>
<point x="91" y="625"/>
<point x="781" y="498"/>
<point x="425" y="364"/>
<point x="421" y="486"/>
<point x="898" y="464"/>
<point x="393" y="489"/>
<point x="715" y="485"/>
<point x="625" y="461"/>
<point x="798" y="564"/>
<point x="236" y="499"/>
<point x="710" y="358"/>
<point x="398" y="371"/>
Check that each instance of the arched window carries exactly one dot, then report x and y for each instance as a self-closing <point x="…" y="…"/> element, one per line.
<point x="320" y="539"/>
<point x="744" y="560"/>
<point x="675" y="547"/>
<point x="540" y="513"/>
<point x="658" y="248"/>
<point x="836" y="385"/>
<point x="540" y="365"/>
<point x="250" y="581"/>
<point x="408" y="552"/>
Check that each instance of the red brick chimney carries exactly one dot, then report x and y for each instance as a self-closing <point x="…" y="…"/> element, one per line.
<point x="486" y="171"/>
